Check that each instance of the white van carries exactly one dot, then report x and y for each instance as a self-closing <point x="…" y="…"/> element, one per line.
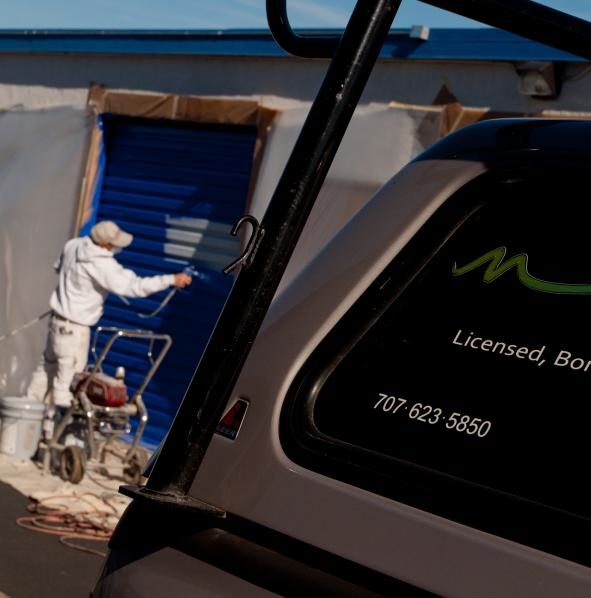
<point x="416" y="400"/>
<point x="413" y="416"/>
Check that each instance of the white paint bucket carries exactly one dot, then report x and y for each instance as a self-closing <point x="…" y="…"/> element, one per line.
<point x="20" y="426"/>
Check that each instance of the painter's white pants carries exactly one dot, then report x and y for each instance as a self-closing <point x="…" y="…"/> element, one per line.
<point x="66" y="353"/>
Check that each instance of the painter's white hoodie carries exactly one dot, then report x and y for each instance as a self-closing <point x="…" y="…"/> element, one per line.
<point x="88" y="273"/>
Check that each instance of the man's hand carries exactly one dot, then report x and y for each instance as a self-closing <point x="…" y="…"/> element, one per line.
<point x="182" y="280"/>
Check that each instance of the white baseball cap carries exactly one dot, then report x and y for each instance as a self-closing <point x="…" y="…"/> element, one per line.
<point x="107" y="231"/>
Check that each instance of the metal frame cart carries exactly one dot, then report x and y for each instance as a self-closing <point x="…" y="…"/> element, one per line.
<point x="85" y="434"/>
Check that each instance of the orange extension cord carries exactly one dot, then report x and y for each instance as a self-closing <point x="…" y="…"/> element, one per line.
<point x="57" y="520"/>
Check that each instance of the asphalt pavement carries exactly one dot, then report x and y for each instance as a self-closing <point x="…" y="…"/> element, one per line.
<point x="35" y="565"/>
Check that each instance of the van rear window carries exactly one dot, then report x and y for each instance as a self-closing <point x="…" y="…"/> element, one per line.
<point x="479" y="370"/>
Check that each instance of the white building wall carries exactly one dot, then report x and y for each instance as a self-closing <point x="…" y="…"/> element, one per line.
<point x="50" y="80"/>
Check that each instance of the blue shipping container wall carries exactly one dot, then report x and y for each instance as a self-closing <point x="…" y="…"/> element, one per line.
<point x="178" y="188"/>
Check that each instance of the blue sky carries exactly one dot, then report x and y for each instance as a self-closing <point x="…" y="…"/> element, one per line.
<point x="217" y="14"/>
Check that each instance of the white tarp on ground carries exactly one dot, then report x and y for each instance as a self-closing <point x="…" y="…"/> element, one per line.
<point x="42" y="157"/>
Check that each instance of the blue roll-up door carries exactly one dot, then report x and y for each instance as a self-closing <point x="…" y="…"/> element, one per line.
<point x="178" y="188"/>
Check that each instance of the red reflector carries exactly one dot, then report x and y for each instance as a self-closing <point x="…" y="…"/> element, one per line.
<point x="229" y="425"/>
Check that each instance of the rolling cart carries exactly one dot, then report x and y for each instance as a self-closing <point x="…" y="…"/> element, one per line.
<point x="102" y="411"/>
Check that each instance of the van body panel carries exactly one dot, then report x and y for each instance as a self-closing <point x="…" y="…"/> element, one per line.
<point x="253" y="478"/>
<point x="169" y="572"/>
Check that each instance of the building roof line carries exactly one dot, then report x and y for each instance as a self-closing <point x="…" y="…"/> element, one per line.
<point x="471" y="44"/>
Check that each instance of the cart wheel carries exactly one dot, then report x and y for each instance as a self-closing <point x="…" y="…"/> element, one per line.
<point x="72" y="464"/>
<point x="132" y="470"/>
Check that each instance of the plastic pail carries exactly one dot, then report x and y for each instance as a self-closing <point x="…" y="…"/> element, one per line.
<point x="20" y="426"/>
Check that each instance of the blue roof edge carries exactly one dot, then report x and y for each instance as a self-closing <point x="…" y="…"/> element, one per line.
<point x="472" y="44"/>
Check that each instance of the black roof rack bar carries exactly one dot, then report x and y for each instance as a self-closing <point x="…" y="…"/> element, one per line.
<point x="212" y="384"/>
<point x="523" y="17"/>
<point x="529" y="19"/>
<point x="308" y="46"/>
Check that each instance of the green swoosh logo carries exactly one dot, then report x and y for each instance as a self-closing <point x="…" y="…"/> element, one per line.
<point x="497" y="267"/>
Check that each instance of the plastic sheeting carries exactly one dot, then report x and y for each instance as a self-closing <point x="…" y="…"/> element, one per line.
<point x="42" y="159"/>
<point x="379" y="141"/>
